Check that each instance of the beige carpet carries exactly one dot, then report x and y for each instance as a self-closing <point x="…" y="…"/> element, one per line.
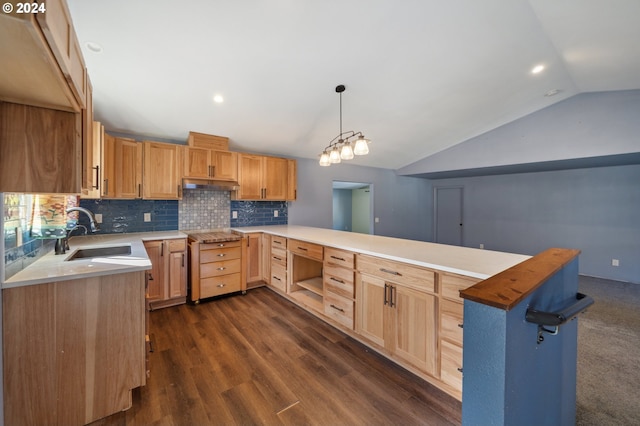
<point x="609" y="354"/>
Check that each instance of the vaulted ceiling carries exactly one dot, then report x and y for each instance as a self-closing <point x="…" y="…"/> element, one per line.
<point x="420" y="75"/>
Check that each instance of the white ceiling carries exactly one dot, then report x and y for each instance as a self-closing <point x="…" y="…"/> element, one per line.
<point x="421" y="75"/>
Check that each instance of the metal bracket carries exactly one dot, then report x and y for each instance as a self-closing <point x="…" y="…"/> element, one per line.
<point x="556" y="319"/>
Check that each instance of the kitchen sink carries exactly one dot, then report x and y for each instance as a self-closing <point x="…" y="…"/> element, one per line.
<point x="100" y="252"/>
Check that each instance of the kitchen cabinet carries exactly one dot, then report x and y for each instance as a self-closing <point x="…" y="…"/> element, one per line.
<point x="88" y="174"/>
<point x="92" y="158"/>
<point x="265" y="241"/>
<point x="41" y="59"/>
<point x="216" y="269"/>
<point x="277" y="277"/>
<point x="292" y="180"/>
<point x="254" y="259"/>
<point x="73" y="350"/>
<point x="396" y="310"/>
<point x="167" y="279"/>
<point x="262" y="178"/>
<point x="212" y="142"/>
<point x="304" y="282"/>
<point x="339" y="287"/>
<point x="200" y="163"/>
<point x="162" y="172"/>
<point x="122" y="168"/>
<point x="40" y="150"/>
<point x="451" y="328"/>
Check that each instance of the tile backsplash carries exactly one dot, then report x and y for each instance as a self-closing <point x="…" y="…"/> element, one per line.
<point x="259" y="213"/>
<point x="204" y="209"/>
<point x="125" y="216"/>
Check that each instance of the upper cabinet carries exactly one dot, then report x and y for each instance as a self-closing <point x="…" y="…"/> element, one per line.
<point x="122" y="168"/>
<point x="201" y="163"/>
<point x="263" y="178"/>
<point x="92" y="161"/>
<point x="42" y="64"/>
<point x="40" y="150"/>
<point x="162" y="171"/>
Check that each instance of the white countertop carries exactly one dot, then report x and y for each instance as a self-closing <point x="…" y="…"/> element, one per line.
<point x="466" y="261"/>
<point x="52" y="267"/>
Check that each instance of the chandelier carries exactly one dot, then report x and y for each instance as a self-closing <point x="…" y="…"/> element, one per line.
<point x="346" y="144"/>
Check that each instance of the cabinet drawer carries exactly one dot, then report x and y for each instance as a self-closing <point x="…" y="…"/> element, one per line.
<point x="450" y="362"/>
<point x="177" y="245"/>
<point x="398" y="272"/>
<point x="278" y="242"/>
<point x="220" y="254"/>
<point x="339" y="308"/>
<point x="279" y="256"/>
<point x="339" y="286"/>
<point x="450" y="285"/>
<point x="451" y="314"/>
<point x="225" y="267"/>
<point x="224" y="244"/>
<point x="279" y="277"/>
<point x="313" y="251"/>
<point x="223" y="284"/>
<point x="339" y="257"/>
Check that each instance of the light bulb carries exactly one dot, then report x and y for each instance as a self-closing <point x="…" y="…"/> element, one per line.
<point x="362" y="146"/>
<point x="324" y="159"/>
<point x="346" y="153"/>
<point x="334" y="157"/>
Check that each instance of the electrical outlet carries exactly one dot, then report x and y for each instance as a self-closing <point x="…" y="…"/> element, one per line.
<point x="98" y="217"/>
<point x="615" y="262"/>
<point x="234" y="214"/>
<point x="275" y="213"/>
<point x="377" y="220"/>
<point x="481" y="245"/>
<point x="147" y="217"/>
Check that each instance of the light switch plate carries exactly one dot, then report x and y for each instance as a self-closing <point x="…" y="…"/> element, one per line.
<point x="98" y="217"/>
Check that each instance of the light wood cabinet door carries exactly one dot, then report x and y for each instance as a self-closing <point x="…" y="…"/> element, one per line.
<point x="414" y="327"/>
<point x="266" y="257"/>
<point x="292" y="180"/>
<point x="275" y="175"/>
<point x="197" y="163"/>
<point x="155" y="277"/>
<point x="40" y="150"/>
<point x="162" y="171"/>
<point x="93" y="162"/>
<point x="250" y="177"/>
<point x="254" y="257"/>
<point x="128" y="169"/>
<point x="225" y="165"/>
<point x="177" y="283"/>
<point x="370" y="308"/>
<point x="108" y="184"/>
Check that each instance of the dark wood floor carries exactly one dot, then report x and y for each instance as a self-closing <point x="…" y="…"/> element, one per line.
<point x="259" y="359"/>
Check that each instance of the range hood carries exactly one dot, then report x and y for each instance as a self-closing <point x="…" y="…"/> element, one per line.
<point x="210" y="184"/>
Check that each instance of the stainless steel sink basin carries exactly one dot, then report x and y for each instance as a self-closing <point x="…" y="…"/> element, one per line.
<point x="100" y="252"/>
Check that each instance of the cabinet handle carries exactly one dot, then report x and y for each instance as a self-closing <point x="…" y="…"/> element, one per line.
<point x="183" y="260"/>
<point x="386" y="300"/>
<point x="277" y="242"/>
<point x="221" y="255"/>
<point x="162" y="249"/>
<point x="106" y="187"/>
<point x="460" y="369"/>
<point x="140" y="190"/>
<point x="461" y="325"/>
<point x="276" y="278"/>
<point x="392" y="289"/>
<point x="220" y="245"/>
<point x="388" y="271"/>
<point x="336" y="308"/>
<point x="209" y="171"/>
<point x="97" y="185"/>
<point x="222" y="268"/>
<point x="338" y="258"/>
<point x="276" y="258"/>
<point x="302" y="248"/>
<point x="221" y="285"/>
<point x="150" y="277"/>
<point x="337" y="280"/>
<point x="179" y="191"/>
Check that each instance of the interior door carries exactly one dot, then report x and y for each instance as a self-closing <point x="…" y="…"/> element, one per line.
<point x="447" y="206"/>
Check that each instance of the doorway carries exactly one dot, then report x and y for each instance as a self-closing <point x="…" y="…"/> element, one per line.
<point x="353" y="207"/>
<point x="447" y="215"/>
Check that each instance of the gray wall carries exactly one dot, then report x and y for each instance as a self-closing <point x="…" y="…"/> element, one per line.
<point x="403" y="204"/>
<point x="342" y="209"/>
<point x="596" y="210"/>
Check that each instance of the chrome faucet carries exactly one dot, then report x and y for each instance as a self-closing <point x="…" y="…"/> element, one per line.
<point x="62" y="244"/>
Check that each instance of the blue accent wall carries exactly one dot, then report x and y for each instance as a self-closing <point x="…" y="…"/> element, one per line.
<point x="125" y="216"/>
<point x="258" y="213"/>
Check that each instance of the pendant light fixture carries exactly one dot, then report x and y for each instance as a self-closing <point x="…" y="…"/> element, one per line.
<point x="342" y="147"/>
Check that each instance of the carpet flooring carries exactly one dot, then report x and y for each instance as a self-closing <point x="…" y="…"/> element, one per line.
<point x="608" y="388"/>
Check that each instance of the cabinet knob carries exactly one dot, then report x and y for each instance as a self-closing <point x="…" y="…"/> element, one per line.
<point x="221" y="285"/>
<point x="221" y="255"/>
<point x="222" y="268"/>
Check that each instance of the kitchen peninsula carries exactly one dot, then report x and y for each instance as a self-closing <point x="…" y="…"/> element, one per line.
<point x="399" y="297"/>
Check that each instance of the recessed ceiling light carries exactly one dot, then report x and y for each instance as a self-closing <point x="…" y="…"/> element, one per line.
<point x="94" y="47"/>
<point x="552" y="92"/>
<point x="537" y="69"/>
<point x="218" y="99"/>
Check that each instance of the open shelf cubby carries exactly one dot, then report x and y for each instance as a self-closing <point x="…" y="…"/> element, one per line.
<point x="306" y="281"/>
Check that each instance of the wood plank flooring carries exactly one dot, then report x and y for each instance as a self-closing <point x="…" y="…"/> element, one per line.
<point x="260" y="360"/>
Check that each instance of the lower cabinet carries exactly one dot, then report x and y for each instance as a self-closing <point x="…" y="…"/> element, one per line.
<point x="278" y="262"/>
<point x="254" y="260"/>
<point x="167" y="280"/>
<point x="397" y="317"/>
<point x="339" y="288"/>
<point x="73" y="350"/>
<point x="216" y="269"/>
